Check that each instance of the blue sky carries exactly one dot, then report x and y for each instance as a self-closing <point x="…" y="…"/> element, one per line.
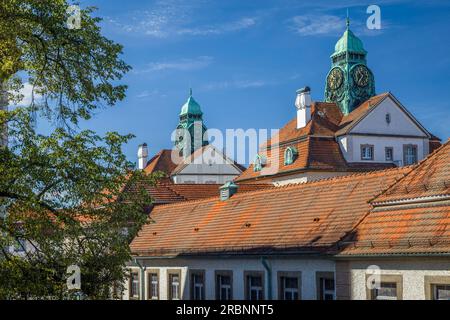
<point x="245" y="59"/>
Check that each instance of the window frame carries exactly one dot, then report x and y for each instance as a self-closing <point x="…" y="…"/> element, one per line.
<point x="431" y="281"/>
<point x="392" y="153"/>
<point x="247" y="288"/>
<point x="130" y="285"/>
<point x="371" y="146"/>
<point x="415" y="148"/>
<point x="289" y="274"/>
<point x="192" y="273"/>
<point x="151" y="272"/>
<point x="387" y="278"/>
<point x="169" y="283"/>
<point x="320" y="294"/>
<point x="226" y="273"/>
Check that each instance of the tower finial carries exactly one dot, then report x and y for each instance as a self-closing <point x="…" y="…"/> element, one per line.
<point x="190" y="92"/>
<point x="348" y="20"/>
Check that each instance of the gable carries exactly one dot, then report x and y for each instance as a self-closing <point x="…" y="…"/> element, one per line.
<point x="401" y="122"/>
<point x="209" y="161"/>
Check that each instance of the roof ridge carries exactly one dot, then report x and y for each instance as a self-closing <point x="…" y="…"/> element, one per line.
<point x="293" y="185"/>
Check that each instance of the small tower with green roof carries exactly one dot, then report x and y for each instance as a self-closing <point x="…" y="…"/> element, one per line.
<point x="190" y="133"/>
<point x="349" y="81"/>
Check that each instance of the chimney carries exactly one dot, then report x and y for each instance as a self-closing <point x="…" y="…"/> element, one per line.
<point x="303" y="104"/>
<point x="142" y="156"/>
<point x="227" y="190"/>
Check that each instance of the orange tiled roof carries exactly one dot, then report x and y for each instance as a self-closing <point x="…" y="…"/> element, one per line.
<point x="431" y="178"/>
<point x="309" y="216"/>
<point x="162" y="161"/>
<point x="402" y="231"/>
<point x="412" y="216"/>
<point x="165" y="192"/>
<point x="316" y="143"/>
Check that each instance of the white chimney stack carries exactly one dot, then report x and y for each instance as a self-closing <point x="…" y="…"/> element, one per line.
<point x="303" y="104"/>
<point x="142" y="156"/>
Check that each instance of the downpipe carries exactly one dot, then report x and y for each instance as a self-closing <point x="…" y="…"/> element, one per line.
<point x="269" y="277"/>
<point x="142" y="279"/>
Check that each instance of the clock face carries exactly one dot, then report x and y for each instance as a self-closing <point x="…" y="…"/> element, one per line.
<point x="361" y="75"/>
<point x="335" y="78"/>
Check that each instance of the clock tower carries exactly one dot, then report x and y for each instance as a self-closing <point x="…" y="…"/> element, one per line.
<point x="349" y="81"/>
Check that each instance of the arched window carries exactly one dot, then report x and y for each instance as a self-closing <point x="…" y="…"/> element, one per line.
<point x="290" y="154"/>
<point x="259" y="163"/>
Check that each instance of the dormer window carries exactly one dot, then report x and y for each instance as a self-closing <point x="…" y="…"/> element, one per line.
<point x="260" y="162"/>
<point x="290" y="154"/>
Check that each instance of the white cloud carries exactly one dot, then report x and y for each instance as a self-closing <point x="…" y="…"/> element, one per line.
<point x="238" y="84"/>
<point x="232" y="26"/>
<point x="320" y="24"/>
<point x="179" y="65"/>
<point x="176" y="18"/>
<point x="148" y="94"/>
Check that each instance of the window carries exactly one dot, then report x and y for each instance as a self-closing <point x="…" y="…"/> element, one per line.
<point x="366" y="152"/>
<point x="134" y="286"/>
<point x="389" y="153"/>
<point x="254" y="289"/>
<point x="197" y="285"/>
<point x="153" y="285"/>
<point x="388" y="118"/>
<point x="174" y="286"/>
<point x="390" y="288"/>
<point x="409" y="154"/>
<point x="441" y="291"/>
<point x="224" y="285"/>
<point x="289" y="285"/>
<point x="437" y="287"/>
<point x="387" y="291"/>
<point x="325" y="285"/>
<point x="290" y="154"/>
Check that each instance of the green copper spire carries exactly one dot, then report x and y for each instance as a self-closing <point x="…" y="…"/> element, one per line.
<point x="190" y="133"/>
<point x="349" y="81"/>
<point x="191" y="106"/>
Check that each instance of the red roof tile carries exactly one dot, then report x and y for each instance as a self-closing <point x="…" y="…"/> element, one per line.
<point x="316" y="143"/>
<point x="402" y="231"/>
<point x="431" y="178"/>
<point x="162" y="161"/>
<point x="412" y="216"/>
<point x="303" y="216"/>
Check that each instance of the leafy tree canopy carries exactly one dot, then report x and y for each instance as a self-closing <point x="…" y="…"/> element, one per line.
<point x="74" y="70"/>
<point x="67" y="198"/>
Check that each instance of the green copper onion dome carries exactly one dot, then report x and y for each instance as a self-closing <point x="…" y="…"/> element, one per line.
<point x="191" y="107"/>
<point x="348" y="43"/>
